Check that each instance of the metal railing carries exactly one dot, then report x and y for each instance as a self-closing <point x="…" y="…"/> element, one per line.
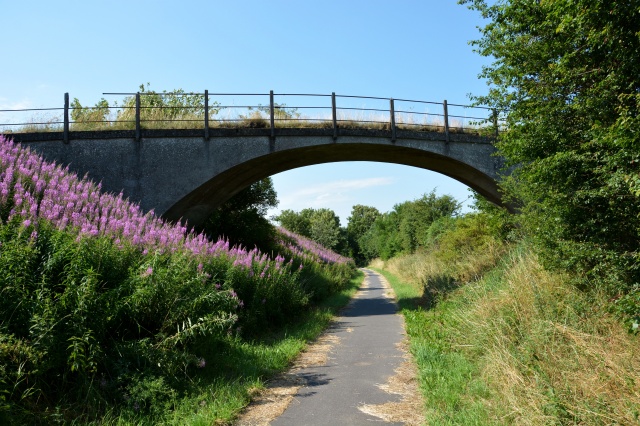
<point x="310" y="110"/>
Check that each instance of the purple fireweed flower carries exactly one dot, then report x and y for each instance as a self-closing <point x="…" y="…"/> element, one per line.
<point x="32" y="190"/>
<point x="201" y="363"/>
<point x="148" y="272"/>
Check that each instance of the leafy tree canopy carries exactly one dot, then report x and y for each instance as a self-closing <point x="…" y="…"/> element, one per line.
<point x="361" y="220"/>
<point x="321" y="225"/>
<point x="566" y="75"/>
<point x="243" y="220"/>
<point x="407" y="227"/>
<point x="174" y="105"/>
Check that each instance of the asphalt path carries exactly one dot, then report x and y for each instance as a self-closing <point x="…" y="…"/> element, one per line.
<point x="366" y="355"/>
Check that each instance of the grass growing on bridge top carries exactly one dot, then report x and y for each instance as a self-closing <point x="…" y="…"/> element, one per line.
<point x="259" y="121"/>
<point x="157" y="118"/>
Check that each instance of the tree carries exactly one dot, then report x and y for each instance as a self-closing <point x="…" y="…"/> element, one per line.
<point x="360" y="221"/>
<point x="243" y="220"/>
<point x="296" y="222"/>
<point x="422" y="213"/>
<point x="325" y="228"/>
<point x="381" y="240"/>
<point x="90" y="117"/>
<point x="321" y="225"/>
<point x="566" y="75"/>
<point x="407" y="226"/>
<point x="155" y="107"/>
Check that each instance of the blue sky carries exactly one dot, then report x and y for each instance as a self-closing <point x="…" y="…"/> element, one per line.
<point x="411" y="49"/>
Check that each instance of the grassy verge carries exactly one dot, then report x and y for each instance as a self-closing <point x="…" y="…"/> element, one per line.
<point x="241" y="368"/>
<point x="520" y="345"/>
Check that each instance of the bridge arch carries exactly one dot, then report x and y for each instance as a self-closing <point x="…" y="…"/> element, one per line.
<point x="182" y="176"/>
<point x="479" y="172"/>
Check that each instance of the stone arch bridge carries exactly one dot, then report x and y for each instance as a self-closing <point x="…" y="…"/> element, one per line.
<point x="183" y="176"/>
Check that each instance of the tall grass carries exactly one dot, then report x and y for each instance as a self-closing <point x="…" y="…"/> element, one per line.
<point x="512" y="343"/>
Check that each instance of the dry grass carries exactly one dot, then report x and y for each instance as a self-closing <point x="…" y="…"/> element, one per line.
<point x="439" y="272"/>
<point x="550" y="354"/>
<point x="157" y="119"/>
<point x="269" y="403"/>
<point x="404" y="383"/>
<point x="540" y="351"/>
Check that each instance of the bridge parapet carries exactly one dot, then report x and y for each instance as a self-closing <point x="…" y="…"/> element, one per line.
<point x="141" y="111"/>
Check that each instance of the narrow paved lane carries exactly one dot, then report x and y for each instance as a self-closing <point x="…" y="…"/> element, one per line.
<point x="365" y="355"/>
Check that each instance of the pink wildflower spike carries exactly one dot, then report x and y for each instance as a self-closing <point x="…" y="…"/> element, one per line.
<point x="76" y="205"/>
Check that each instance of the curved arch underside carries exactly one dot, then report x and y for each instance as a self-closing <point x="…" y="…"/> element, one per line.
<point x="201" y="202"/>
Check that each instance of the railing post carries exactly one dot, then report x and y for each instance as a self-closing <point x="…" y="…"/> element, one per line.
<point x="392" y="116"/>
<point x="138" y="131"/>
<point x="272" y="113"/>
<point x="206" y="115"/>
<point x="334" y="115"/>
<point x="446" y="120"/>
<point x="66" y="118"/>
<point x="495" y="121"/>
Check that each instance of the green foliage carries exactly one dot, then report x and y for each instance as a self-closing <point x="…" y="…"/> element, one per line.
<point x="298" y="222"/>
<point x="84" y="311"/>
<point x="566" y="74"/>
<point x="407" y="226"/>
<point x="320" y="225"/>
<point x="242" y="220"/>
<point x="155" y="108"/>
<point x="91" y="117"/>
<point x="325" y="228"/>
<point x="360" y="221"/>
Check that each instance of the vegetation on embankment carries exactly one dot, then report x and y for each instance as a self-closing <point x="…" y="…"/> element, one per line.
<point x="106" y="311"/>
<point x="566" y="76"/>
<point x="500" y="340"/>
